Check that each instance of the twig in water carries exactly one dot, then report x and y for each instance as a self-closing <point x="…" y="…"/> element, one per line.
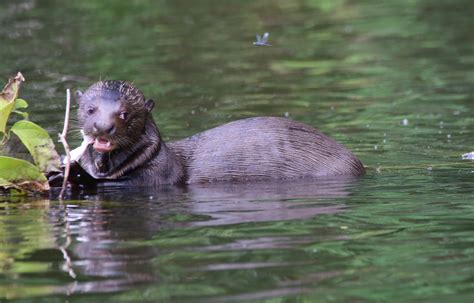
<point x="67" y="259"/>
<point x="62" y="137"/>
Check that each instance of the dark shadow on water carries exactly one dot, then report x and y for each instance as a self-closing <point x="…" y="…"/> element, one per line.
<point x="225" y="203"/>
<point x="260" y="202"/>
<point x="101" y="223"/>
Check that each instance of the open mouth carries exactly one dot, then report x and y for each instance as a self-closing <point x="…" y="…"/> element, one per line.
<point x="103" y="145"/>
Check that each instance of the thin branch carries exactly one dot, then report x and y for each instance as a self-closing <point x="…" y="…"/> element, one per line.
<point x="62" y="137"/>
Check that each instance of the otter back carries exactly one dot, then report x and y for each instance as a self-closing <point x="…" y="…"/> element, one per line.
<point x="263" y="148"/>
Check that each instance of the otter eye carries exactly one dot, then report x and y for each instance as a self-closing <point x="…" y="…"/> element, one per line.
<point x="91" y="110"/>
<point x="123" y="115"/>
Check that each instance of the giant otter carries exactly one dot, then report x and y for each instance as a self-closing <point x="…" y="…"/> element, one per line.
<point x="122" y="143"/>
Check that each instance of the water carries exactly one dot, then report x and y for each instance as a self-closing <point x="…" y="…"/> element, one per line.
<point x="392" y="81"/>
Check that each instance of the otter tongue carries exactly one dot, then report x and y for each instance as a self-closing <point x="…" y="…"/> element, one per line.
<point x="102" y="145"/>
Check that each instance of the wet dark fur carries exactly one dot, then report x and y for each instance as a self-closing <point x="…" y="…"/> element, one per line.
<point x="250" y="149"/>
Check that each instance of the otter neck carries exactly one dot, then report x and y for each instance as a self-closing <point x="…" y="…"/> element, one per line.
<point x="118" y="163"/>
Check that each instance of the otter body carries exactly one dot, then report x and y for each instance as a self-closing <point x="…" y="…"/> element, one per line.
<point x="122" y="143"/>
<point x="263" y="148"/>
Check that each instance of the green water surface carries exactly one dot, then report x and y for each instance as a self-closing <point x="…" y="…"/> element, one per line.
<point x="391" y="80"/>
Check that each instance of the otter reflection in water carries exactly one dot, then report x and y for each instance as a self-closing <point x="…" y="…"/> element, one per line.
<point x="119" y="235"/>
<point x="122" y="143"/>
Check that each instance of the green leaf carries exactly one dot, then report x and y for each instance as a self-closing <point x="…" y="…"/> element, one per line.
<point x="20" y="177"/>
<point x="5" y="110"/>
<point x="16" y="170"/>
<point x="23" y="114"/>
<point x="5" y="183"/>
<point x="20" y="103"/>
<point x="39" y="144"/>
<point x="7" y="97"/>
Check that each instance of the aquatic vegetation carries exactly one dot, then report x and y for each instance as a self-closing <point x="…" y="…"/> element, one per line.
<point x="24" y="174"/>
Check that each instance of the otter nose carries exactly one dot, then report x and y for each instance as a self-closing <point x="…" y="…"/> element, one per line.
<point x="111" y="130"/>
<point x="103" y="128"/>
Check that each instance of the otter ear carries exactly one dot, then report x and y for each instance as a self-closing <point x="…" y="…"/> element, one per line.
<point x="78" y="96"/>
<point x="149" y="104"/>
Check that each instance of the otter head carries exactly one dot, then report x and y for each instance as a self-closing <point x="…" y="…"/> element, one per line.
<point x="113" y="114"/>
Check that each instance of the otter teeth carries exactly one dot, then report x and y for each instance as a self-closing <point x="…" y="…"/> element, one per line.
<point x="103" y="145"/>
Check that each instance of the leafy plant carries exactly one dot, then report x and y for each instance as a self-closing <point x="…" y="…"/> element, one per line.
<point x="19" y="174"/>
